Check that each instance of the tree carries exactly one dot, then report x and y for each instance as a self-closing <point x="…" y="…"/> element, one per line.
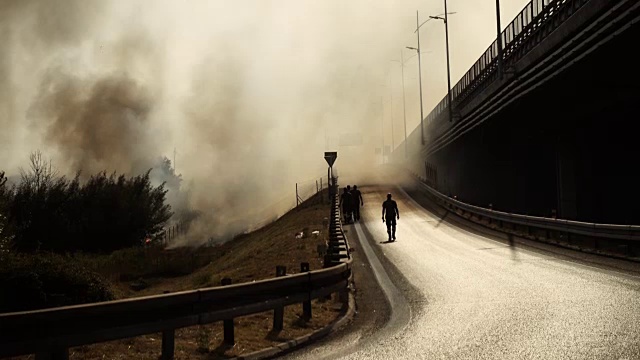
<point x="41" y="173"/>
<point x="5" y="199"/>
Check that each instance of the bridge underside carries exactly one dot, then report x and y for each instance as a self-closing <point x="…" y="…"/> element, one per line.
<point x="569" y="145"/>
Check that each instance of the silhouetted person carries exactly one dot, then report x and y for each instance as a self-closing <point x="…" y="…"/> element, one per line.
<point x="346" y="201"/>
<point x="390" y="211"/>
<point x="350" y="206"/>
<point x="357" y="202"/>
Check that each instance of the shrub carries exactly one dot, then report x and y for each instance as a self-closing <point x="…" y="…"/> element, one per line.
<point x="47" y="212"/>
<point x="47" y="280"/>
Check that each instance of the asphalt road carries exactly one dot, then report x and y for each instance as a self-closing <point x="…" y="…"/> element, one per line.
<point x="456" y="291"/>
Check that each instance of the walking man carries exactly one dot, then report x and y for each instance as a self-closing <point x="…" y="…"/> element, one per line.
<point x="390" y="211"/>
<point x="357" y="202"/>
<point x="346" y="201"/>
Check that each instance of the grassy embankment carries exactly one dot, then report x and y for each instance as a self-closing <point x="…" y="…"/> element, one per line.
<point x="249" y="257"/>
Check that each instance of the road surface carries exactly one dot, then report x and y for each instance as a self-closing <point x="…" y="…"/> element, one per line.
<point x="459" y="292"/>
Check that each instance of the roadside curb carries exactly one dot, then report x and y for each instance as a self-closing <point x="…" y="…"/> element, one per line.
<point x="306" y="339"/>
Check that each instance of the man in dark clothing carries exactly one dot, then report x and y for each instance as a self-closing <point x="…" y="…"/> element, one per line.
<point x="357" y="202"/>
<point x="346" y="201"/>
<point x="390" y="210"/>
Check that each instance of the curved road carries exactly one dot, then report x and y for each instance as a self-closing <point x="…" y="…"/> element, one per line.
<point x="471" y="295"/>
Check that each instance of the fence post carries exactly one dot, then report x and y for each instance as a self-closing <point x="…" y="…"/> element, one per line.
<point x="229" y="335"/>
<point x="278" y="312"/>
<point x="306" y="305"/>
<point x="168" y="344"/>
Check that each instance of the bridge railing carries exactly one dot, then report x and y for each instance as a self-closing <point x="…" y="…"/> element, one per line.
<point x="594" y="230"/>
<point x="49" y="333"/>
<point x="530" y="27"/>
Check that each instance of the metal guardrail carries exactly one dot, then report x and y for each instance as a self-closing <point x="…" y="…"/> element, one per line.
<point x="606" y="231"/>
<point x="50" y="332"/>
<point x="536" y="20"/>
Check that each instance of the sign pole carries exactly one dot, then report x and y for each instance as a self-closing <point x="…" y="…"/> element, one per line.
<point x="329" y="182"/>
<point x="330" y="157"/>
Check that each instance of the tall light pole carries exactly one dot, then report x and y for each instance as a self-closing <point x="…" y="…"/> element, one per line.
<point x="381" y="123"/>
<point x="417" y="31"/>
<point x="419" y="78"/>
<point x="393" y="143"/>
<point x="499" y="28"/>
<point x="404" y="103"/>
<point x="404" y="106"/>
<point x="420" y="82"/>
<point x="446" y="31"/>
<point x="382" y="126"/>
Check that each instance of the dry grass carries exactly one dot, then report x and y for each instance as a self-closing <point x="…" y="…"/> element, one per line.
<point x="250" y="257"/>
<point x="254" y="256"/>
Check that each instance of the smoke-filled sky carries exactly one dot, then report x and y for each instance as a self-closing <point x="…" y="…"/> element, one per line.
<point x="247" y="91"/>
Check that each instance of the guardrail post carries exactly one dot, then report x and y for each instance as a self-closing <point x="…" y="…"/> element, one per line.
<point x="228" y="327"/>
<point x="168" y="344"/>
<point x="57" y="354"/>
<point x="278" y="312"/>
<point x="306" y="305"/>
<point x="327" y="261"/>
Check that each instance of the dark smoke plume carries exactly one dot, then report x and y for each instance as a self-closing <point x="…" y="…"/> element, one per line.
<point x="96" y="125"/>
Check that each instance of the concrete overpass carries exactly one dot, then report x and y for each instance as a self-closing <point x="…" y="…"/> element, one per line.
<point x="555" y="132"/>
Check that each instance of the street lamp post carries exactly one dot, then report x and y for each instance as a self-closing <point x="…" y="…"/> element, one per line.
<point x="499" y="28"/>
<point x="419" y="78"/>
<point x="382" y="125"/>
<point x="404" y="101"/>
<point x="404" y="105"/>
<point x="446" y="31"/>
<point x="421" y="106"/>
<point x="393" y="143"/>
<point x="418" y="25"/>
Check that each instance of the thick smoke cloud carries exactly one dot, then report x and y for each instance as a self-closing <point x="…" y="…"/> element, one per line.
<point x="95" y="124"/>
<point x="250" y="93"/>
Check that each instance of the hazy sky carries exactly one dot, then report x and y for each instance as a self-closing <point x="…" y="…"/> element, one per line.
<point x="247" y="91"/>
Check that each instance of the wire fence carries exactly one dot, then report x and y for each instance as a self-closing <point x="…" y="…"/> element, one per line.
<point x="256" y="218"/>
<point x="289" y="200"/>
<point x="310" y="187"/>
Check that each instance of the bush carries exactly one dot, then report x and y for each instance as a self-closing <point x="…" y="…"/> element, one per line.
<point x="46" y="212"/>
<point x="47" y="280"/>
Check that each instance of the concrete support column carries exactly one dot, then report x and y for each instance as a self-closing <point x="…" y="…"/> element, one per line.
<point x="566" y="179"/>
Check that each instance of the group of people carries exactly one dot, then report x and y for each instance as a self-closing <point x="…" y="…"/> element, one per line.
<point x="351" y="200"/>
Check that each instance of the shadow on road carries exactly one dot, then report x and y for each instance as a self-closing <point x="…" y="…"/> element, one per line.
<point x="441" y="219"/>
